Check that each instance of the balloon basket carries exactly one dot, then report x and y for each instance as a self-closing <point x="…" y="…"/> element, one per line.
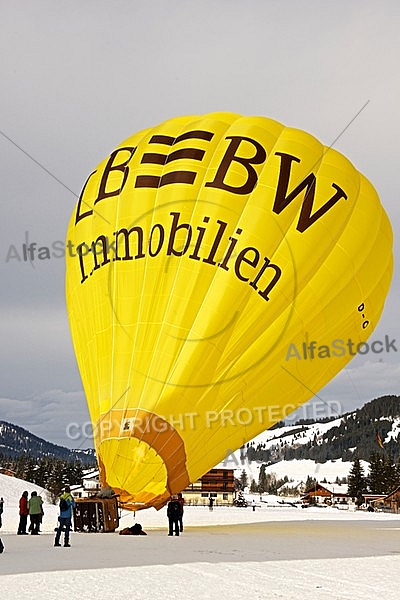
<point x="96" y="515"/>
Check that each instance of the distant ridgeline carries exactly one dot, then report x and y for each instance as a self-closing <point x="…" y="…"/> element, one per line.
<point x="48" y="465"/>
<point x="17" y="442"/>
<point x="356" y="436"/>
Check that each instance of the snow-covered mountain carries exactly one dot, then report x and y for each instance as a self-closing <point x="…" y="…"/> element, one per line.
<point x="322" y="449"/>
<point x="16" y="441"/>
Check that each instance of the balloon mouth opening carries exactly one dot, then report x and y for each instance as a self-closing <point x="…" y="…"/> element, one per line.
<point x="144" y="466"/>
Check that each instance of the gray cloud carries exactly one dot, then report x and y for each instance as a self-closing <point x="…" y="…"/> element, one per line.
<point x="48" y="415"/>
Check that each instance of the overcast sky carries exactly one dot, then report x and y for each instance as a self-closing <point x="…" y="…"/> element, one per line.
<point x="77" y="78"/>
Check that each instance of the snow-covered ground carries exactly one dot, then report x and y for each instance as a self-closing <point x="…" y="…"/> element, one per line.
<point x="276" y="551"/>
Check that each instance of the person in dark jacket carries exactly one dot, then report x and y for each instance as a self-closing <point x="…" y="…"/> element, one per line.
<point x="181" y="501"/>
<point x="23" y="514"/>
<point x="1" y="511"/>
<point x="173" y="514"/>
<point x="67" y="503"/>
<point x="136" y="529"/>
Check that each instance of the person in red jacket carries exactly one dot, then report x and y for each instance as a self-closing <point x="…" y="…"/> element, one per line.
<point x="23" y="514"/>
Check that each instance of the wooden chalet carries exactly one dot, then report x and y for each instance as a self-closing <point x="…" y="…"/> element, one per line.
<point x="329" y="493"/>
<point x="292" y="488"/>
<point x="6" y="471"/>
<point x="217" y="484"/>
<point x="374" y="500"/>
<point x="392" y="501"/>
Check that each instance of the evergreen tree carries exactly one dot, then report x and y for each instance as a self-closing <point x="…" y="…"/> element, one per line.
<point x="262" y="480"/>
<point x="270" y="483"/>
<point x="236" y="484"/>
<point x="397" y="475"/>
<point x="253" y="487"/>
<point x="251" y="454"/>
<point x="375" y="477"/>
<point x="391" y="473"/>
<point x="244" y="480"/>
<point x="240" y="500"/>
<point x="357" y="482"/>
<point x="310" y="482"/>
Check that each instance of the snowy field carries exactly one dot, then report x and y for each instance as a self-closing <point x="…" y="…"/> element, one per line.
<point x="276" y="551"/>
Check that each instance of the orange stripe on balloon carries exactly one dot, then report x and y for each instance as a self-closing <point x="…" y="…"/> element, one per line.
<point x="160" y="435"/>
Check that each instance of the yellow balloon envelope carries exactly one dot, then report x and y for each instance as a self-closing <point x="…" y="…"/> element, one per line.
<point x="221" y="265"/>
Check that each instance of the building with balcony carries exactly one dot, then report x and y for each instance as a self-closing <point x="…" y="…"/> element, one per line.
<point x="217" y="484"/>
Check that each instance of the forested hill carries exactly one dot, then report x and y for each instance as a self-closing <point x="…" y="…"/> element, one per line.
<point x="353" y="435"/>
<point x="17" y="442"/>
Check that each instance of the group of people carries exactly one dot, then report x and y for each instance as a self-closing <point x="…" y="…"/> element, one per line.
<point x="32" y="508"/>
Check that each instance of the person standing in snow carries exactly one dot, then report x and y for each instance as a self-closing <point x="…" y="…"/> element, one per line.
<point x="35" y="511"/>
<point x="173" y="514"/>
<point x="67" y="503"/>
<point x="1" y="511"/>
<point x="181" y="501"/>
<point x="211" y="503"/>
<point x="23" y="514"/>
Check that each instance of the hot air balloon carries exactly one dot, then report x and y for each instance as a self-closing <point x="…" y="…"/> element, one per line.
<point x="221" y="265"/>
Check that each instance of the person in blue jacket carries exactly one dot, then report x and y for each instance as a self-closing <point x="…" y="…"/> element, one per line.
<point x="67" y="503"/>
